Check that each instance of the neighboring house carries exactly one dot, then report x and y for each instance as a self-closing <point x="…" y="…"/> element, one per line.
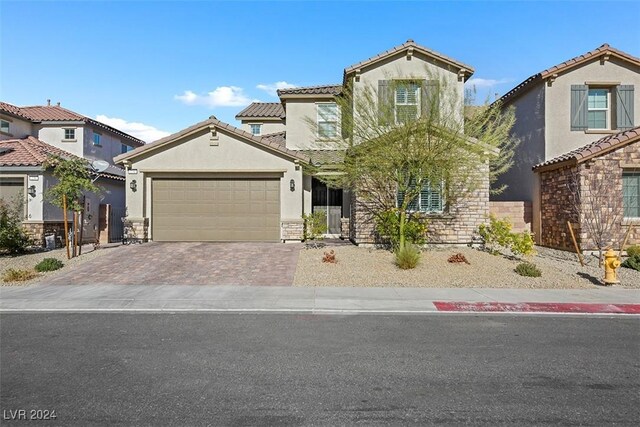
<point x="565" y="108"/>
<point x="262" y="118"/>
<point x="28" y="135"/>
<point x="604" y="175"/>
<point x="215" y="182"/>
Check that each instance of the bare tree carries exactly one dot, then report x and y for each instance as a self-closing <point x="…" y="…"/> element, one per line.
<point x="597" y="206"/>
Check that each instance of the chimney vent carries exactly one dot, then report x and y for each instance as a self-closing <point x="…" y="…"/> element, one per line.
<point x="58" y="103"/>
<point x="48" y="103"/>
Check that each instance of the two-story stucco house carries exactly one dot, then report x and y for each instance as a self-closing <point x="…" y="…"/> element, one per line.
<point x="562" y="111"/>
<point x="215" y="182"/>
<point x="28" y="135"/>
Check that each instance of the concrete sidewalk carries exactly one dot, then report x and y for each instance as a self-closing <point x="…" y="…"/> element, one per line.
<point x="286" y="299"/>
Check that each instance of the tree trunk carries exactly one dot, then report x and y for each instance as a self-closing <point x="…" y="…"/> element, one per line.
<point x="600" y="263"/>
<point x="403" y="220"/>
<point x="66" y="225"/>
<point x="81" y="228"/>
<point x="75" y="233"/>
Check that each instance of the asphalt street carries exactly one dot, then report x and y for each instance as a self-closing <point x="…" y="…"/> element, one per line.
<point x="292" y="369"/>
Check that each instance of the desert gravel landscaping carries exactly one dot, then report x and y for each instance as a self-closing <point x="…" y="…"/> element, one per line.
<point x="29" y="260"/>
<point x="369" y="267"/>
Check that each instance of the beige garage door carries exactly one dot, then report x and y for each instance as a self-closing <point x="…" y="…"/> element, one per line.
<point x="216" y="210"/>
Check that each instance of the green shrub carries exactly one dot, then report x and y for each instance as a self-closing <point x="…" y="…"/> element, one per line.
<point x="408" y="257"/>
<point x="13" y="275"/>
<point x="498" y="238"/>
<point x="49" y="264"/>
<point x="315" y="225"/>
<point x="528" y="269"/>
<point x="632" y="262"/>
<point x="13" y="238"/>
<point x="388" y="227"/>
<point x="633" y="251"/>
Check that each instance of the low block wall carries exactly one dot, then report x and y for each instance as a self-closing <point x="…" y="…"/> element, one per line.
<point x="519" y="212"/>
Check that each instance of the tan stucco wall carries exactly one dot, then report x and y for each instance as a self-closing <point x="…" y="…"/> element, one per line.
<point x="300" y="134"/>
<point x="560" y="138"/>
<point x="110" y="145"/>
<point x="17" y="128"/>
<point x="54" y="135"/>
<point x="196" y="156"/>
<point x="419" y="67"/>
<point x="267" y="126"/>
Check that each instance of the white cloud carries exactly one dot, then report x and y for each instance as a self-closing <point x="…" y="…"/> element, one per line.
<point x="222" y="96"/>
<point x="272" y="88"/>
<point x="486" y="83"/>
<point x="141" y="131"/>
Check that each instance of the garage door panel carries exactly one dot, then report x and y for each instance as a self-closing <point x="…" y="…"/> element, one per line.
<point x="216" y="210"/>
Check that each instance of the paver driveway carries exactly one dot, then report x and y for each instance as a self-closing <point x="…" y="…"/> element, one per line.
<point x="180" y="263"/>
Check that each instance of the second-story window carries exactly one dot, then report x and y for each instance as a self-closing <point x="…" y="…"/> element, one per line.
<point x="598" y="113"/>
<point x="69" y="134"/>
<point x="4" y="126"/>
<point x="327" y="120"/>
<point x="125" y="148"/>
<point x="602" y="107"/>
<point x="96" y="138"/>
<point x="407" y="101"/>
<point x="256" y="128"/>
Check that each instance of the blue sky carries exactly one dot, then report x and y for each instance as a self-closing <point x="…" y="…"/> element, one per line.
<point x="153" y="67"/>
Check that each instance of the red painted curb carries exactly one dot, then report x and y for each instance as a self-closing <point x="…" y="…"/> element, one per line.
<point x="537" y="307"/>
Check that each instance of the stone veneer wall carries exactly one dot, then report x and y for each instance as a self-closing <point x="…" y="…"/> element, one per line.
<point x="37" y="231"/>
<point x="139" y="228"/>
<point x="519" y="212"/>
<point x="293" y="230"/>
<point x="556" y="210"/>
<point x="554" y="196"/>
<point x="344" y="228"/>
<point x="458" y="225"/>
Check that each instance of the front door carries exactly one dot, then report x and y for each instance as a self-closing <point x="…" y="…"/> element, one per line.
<point x="328" y="200"/>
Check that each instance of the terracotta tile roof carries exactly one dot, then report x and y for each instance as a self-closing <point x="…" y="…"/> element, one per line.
<point x="44" y="113"/>
<point x="12" y="109"/>
<point x="262" y="109"/>
<point x="593" y="149"/>
<point x="604" y="50"/>
<point x="325" y="157"/>
<point x="410" y="44"/>
<point x="30" y="151"/>
<point x="278" y="137"/>
<point x="272" y="143"/>
<point x="334" y="89"/>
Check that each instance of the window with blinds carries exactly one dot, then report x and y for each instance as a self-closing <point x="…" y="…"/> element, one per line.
<point x="407" y="100"/>
<point x="429" y="201"/>
<point x="327" y="120"/>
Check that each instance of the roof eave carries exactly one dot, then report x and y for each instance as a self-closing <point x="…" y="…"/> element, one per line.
<point x="308" y="95"/>
<point x="219" y="126"/>
<point x="545" y="168"/>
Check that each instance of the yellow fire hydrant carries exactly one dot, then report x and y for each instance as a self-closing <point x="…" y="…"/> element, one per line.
<point x="611" y="264"/>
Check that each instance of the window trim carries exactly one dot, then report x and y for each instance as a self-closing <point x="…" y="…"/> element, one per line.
<point x="609" y="110"/>
<point x="8" y="131"/>
<point x="251" y="129"/>
<point x="419" y="201"/>
<point x="318" y="120"/>
<point x="65" y="139"/>
<point x="418" y="103"/>
<point x="636" y="173"/>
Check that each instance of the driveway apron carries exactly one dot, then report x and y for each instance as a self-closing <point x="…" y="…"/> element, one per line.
<point x="187" y="263"/>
